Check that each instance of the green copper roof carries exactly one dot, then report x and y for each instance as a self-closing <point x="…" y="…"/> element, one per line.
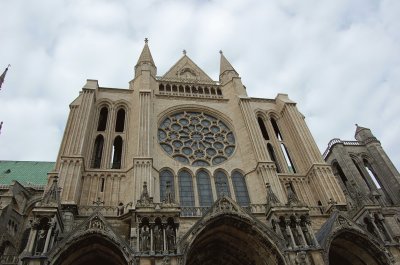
<point x="25" y="172"/>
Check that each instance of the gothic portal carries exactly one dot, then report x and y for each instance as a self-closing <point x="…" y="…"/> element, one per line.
<point x="180" y="169"/>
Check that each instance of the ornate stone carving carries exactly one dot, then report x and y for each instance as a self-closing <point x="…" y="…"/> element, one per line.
<point x="96" y="223"/>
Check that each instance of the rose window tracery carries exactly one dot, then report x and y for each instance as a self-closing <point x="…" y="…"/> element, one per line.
<point x="196" y="138"/>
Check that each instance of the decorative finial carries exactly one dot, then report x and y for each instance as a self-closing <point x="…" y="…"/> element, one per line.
<point x="184" y="52"/>
<point x="220" y="52"/>
<point x="146" y="40"/>
<point x="356" y="124"/>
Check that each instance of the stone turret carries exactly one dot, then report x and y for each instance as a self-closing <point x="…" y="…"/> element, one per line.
<point x="145" y="62"/>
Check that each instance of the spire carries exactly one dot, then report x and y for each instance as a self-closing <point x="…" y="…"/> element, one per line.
<point x="291" y="195"/>
<point x="3" y="76"/>
<point x="226" y="67"/>
<point x="364" y="135"/>
<point x="145" y="61"/>
<point x="52" y="196"/>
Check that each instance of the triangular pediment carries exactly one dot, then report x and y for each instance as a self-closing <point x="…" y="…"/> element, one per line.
<point x="94" y="224"/>
<point x="185" y="70"/>
<point x="335" y="223"/>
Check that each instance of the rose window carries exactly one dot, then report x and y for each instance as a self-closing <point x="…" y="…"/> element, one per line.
<point x="196" y="138"/>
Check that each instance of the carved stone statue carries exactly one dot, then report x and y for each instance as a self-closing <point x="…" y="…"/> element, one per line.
<point x="120" y="209"/>
<point x="158" y="239"/>
<point x="145" y="236"/>
<point x="301" y="258"/>
<point x="170" y="234"/>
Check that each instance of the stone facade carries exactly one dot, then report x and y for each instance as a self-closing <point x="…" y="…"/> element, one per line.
<point x="182" y="169"/>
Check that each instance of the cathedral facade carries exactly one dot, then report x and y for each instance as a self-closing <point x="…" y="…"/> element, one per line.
<point x="180" y="169"/>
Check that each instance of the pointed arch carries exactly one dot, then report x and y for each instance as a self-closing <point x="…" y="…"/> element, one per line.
<point x="240" y="187"/>
<point x="97" y="151"/>
<point x="116" y="157"/>
<point x="263" y="128"/>
<point x="103" y="116"/>
<point x="120" y="121"/>
<point x="349" y="247"/>
<point x="218" y="238"/>
<point x="221" y="184"/>
<point x="204" y="188"/>
<point x="186" y="195"/>
<point x="166" y="176"/>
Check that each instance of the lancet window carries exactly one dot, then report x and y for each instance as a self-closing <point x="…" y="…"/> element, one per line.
<point x="166" y="179"/>
<point x="240" y="187"/>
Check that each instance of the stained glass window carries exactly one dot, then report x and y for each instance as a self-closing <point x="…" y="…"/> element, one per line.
<point x="239" y="185"/>
<point x="221" y="184"/>
<point x="196" y="138"/>
<point x="204" y="188"/>
<point x="166" y="176"/>
<point x="186" y="195"/>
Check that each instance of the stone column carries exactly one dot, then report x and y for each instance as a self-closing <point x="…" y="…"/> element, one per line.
<point x="289" y="231"/>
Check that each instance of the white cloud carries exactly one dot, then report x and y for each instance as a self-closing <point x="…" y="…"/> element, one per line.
<point x="339" y="60"/>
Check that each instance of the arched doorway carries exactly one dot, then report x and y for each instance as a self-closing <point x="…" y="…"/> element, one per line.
<point x="92" y="250"/>
<point x="230" y="239"/>
<point x="349" y="248"/>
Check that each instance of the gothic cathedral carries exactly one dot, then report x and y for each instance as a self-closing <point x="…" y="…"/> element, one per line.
<point x="180" y="169"/>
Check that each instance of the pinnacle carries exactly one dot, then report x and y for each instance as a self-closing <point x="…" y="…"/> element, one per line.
<point x="225" y="65"/>
<point x="145" y="56"/>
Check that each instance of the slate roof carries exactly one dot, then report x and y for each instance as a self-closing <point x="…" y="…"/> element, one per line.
<point x="25" y="172"/>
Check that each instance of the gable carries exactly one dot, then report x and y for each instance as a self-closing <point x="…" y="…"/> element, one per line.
<point x="186" y="70"/>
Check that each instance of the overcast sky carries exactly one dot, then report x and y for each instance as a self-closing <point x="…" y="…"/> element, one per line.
<point x="339" y="60"/>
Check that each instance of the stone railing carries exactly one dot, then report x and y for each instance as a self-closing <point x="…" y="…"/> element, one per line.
<point x="197" y="211"/>
<point x="192" y="90"/>
<point x="338" y="141"/>
<point x="9" y="259"/>
<point x="86" y="210"/>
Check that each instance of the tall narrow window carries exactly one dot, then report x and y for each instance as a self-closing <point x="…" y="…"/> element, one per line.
<point x="239" y="185"/>
<point x="371" y="173"/>
<point x="221" y="184"/>
<point x="166" y="176"/>
<point x="288" y="159"/>
<point x="186" y="195"/>
<point x="263" y="128"/>
<point x="97" y="151"/>
<point x="117" y="153"/>
<point x="120" y="122"/>
<point x="204" y="188"/>
<point x="276" y="129"/>
<point x="339" y="172"/>
<point x="273" y="157"/>
<point x="102" y="185"/>
<point x="362" y="175"/>
<point x="102" y="119"/>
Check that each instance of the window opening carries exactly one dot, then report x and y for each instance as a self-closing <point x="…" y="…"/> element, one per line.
<point x="339" y="172"/>
<point x="117" y="153"/>
<point x="97" y="151"/>
<point x="276" y="129"/>
<point x="186" y="194"/>
<point x="263" y="128"/>
<point x="371" y="173"/>
<point x="204" y="188"/>
<point x="166" y="176"/>
<point x="240" y="187"/>
<point x="120" y="123"/>
<point x="102" y="119"/>
<point x="362" y="175"/>
<point x="222" y="185"/>
<point x="102" y="185"/>
<point x="288" y="159"/>
<point x="273" y="157"/>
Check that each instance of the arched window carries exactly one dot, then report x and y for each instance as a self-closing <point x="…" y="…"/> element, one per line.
<point x="102" y="119"/>
<point x="117" y="153"/>
<point x="263" y="128"/>
<point x="221" y="184"/>
<point x="161" y="87"/>
<point x="371" y="173"/>
<point x="273" y="157"/>
<point x="276" y="129"/>
<point x="97" y="151"/>
<point x="362" y="175"/>
<point x="337" y="170"/>
<point x="166" y="176"/>
<point x="120" y="122"/>
<point x="186" y="195"/>
<point x="239" y="185"/>
<point x="288" y="159"/>
<point x="204" y="188"/>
